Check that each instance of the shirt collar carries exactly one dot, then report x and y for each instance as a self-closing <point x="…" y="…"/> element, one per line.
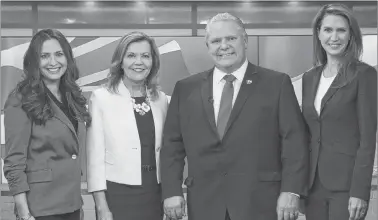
<point x="239" y="73"/>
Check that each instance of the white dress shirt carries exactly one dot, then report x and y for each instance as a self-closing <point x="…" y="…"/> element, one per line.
<point x="218" y="84"/>
<point x="324" y="84"/>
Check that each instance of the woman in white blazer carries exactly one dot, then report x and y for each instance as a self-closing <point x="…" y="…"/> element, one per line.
<point x="124" y="139"/>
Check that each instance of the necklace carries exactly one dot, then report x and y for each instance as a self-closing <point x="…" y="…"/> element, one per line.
<point x="141" y="108"/>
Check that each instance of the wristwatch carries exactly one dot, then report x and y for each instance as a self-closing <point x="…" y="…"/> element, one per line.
<point x="27" y="217"/>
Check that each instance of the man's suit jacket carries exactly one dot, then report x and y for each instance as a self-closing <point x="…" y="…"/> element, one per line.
<point x="263" y="151"/>
<point x="343" y="137"/>
<point x="113" y="144"/>
<point x="43" y="160"/>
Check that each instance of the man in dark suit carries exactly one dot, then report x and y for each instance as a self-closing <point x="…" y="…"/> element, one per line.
<point x="241" y="129"/>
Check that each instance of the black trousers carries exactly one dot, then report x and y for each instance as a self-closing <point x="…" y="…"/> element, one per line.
<point x="325" y="204"/>
<point x="267" y="194"/>
<point x="128" y="202"/>
<point x="68" y="216"/>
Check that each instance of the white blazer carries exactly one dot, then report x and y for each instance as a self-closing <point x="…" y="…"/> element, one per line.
<point x="113" y="144"/>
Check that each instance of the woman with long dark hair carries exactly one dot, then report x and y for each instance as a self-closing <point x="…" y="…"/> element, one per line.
<point x="42" y="118"/>
<point x="340" y="107"/>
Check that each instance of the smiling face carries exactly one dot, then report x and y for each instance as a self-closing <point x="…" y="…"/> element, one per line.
<point x="226" y="45"/>
<point x="137" y="62"/>
<point x="53" y="62"/>
<point x="334" y="35"/>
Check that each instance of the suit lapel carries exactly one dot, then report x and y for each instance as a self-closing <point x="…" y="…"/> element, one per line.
<point x="247" y="87"/>
<point x="314" y="87"/>
<point x="207" y="100"/>
<point x="330" y="92"/>
<point x="59" y="114"/>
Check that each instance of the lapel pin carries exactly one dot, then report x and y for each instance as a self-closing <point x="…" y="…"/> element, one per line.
<point x="249" y="81"/>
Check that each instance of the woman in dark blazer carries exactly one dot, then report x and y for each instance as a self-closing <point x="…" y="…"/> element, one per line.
<point x="340" y="107"/>
<point x="42" y="117"/>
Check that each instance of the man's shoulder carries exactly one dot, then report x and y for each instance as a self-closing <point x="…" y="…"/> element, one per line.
<point x="195" y="78"/>
<point x="269" y="73"/>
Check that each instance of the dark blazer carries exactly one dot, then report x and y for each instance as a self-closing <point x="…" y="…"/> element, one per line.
<point x="343" y="137"/>
<point x="42" y="161"/>
<point x="263" y="152"/>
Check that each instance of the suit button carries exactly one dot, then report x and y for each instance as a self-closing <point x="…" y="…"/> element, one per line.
<point x="224" y="174"/>
<point x="309" y="149"/>
<point x="74" y="156"/>
<point x="319" y="141"/>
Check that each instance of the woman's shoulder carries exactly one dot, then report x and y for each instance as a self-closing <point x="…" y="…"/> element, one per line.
<point x="161" y="95"/>
<point x="100" y="92"/>
<point x="14" y="110"/>
<point x="312" y="70"/>
<point x="363" y="67"/>
<point x="14" y="99"/>
<point x="163" y="98"/>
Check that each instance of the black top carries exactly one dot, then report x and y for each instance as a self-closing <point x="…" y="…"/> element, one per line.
<point x="146" y="129"/>
<point x="64" y="107"/>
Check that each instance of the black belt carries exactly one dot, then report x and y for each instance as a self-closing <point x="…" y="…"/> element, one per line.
<point x="148" y="168"/>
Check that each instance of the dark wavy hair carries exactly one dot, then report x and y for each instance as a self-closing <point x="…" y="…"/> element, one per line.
<point x="34" y="98"/>
<point x="352" y="53"/>
<point x="116" y="72"/>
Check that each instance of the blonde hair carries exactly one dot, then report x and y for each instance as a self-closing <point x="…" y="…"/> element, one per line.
<point x="116" y="72"/>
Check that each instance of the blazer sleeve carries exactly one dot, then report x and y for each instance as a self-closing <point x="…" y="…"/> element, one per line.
<point x="17" y="136"/>
<point x="172" y="154"/>
<point x="294" y="142"/>
<point x="367" y="121"/>
<point x="95" y="146"/>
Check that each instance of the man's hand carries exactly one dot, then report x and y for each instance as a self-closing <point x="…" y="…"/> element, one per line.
<point x="357" y="208"/>
<point x="174" y="207"/>
<point x="287" y="206"/>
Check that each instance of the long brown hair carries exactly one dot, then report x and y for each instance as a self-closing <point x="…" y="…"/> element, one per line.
<point x="352" y="53"/>
<point x="34" y="98"/>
